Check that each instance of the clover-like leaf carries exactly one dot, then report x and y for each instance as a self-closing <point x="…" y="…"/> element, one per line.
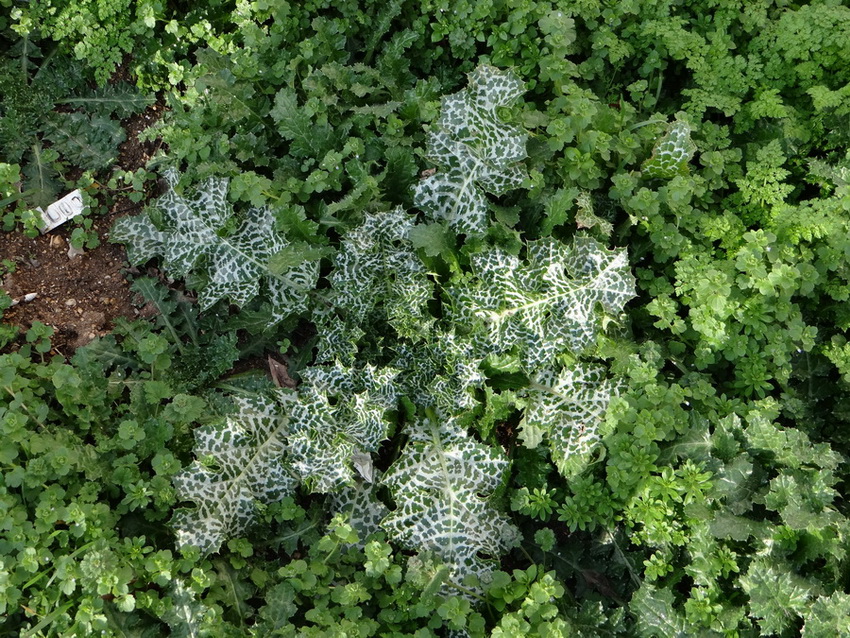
<point x="193" y="238"/>
<point x="442" y="484"/>
<point x="672" y="152"/>
<point x="339" y="413"/>
<point x="567" y="409"/>
<point x="475" y="150"/>
<point x="240" y="461"/>
<point x="545" y="304"/>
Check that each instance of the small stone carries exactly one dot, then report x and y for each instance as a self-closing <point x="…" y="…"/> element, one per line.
<point x="71" y="303"/>
<point x="75" y="252"/>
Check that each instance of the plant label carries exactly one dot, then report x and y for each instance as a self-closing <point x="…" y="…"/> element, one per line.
<point x="61" y="211"/>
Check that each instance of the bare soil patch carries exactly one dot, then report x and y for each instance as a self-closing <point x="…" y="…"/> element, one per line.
<point x="79" y="297"/>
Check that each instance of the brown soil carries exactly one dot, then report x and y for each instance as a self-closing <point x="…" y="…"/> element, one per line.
<point x="79" y="297"/>
<point x="134" y="154"/>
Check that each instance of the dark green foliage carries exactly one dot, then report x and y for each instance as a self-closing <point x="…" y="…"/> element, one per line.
<point x="42" y="176"/>
<point x="121" y="99"/>
<point x="83" y="140"/>
<point x="43" y="139"/>
<point x="205" y="353"/>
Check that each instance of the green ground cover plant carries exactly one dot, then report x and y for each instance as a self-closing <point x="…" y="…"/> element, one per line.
<point x="560" y="291"/>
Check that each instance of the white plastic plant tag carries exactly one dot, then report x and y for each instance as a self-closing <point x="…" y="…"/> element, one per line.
<point x="61" y="211"/>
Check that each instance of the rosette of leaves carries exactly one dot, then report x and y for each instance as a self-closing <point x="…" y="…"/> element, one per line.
<point x="88" y="141"/>
<point x="672" y="152"/>
<point x="239" y="462"/>
<point x="441" y="374"/>
<point x="32" y="84"/>
<point x="443" y="485"/>
<point x="228" y="257"/>
<point x="476" y="151"/>
<point x="339" y="414"/>
<point x="375" y="270"/>
<point x="89" y="138"/>
<point x="567" y="409"/>
<point x="545" y="304"/>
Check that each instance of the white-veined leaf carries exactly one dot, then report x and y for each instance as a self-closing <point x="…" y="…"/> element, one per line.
<point x="442" y="485"/>
<point x="566" y="410"/>
<point x="545" y="304"/>
<point x="240" y="461"/>
<point x="122" y="99"/>
<point x="361" y="507"/>
<point x="778" y="596"/>
<point x="475" y="150"/>
<point x="656" y="616"/>
<point x="375" y="271"/>
<point x="442" y="373"/>
<point x="88" y="141"/>
<point x="672" y="152"/>
<point x="192" y="237"/>
<point x="339" y="413"/>
<point x="187" y="617"/>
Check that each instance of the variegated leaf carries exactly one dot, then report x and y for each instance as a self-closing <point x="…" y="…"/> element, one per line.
<point x="361" y="506"/>
<point x="240" y="461"/>
<point x="672" y="152"/>
<point x="586" y="218"/>
<point x="147" y="240"/>
<point x="442" y="374"/>
<point x="193" y="238"/>
<point x="566" y="410"/>
<point x="187" y="617"/>
<point x="325" y="435"/>
<point x="475" y="150"/>
<point x="338" y="339"/>
<point x="545" y="304"/>
<point x="442" y="485"/>
<point x="376" y="271"/>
